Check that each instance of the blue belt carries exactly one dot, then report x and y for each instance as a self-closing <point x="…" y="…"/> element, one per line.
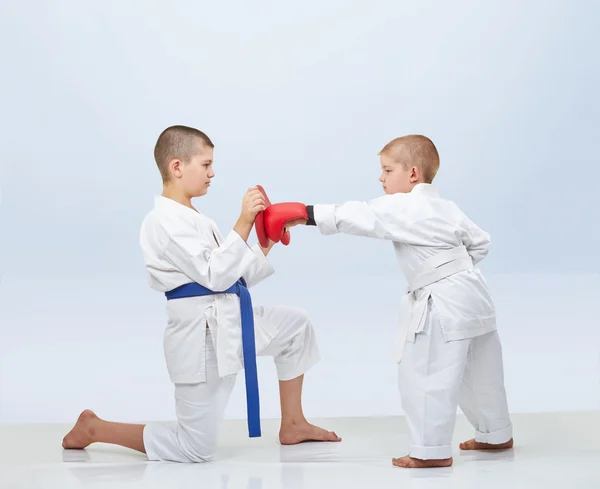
<point x="248" y="345"/>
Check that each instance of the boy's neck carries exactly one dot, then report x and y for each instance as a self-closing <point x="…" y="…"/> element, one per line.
<point x="417" y="183"/>
<point x="177" y="195"/>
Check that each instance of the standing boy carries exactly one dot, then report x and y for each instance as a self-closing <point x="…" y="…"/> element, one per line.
<point x="449" y="351"/>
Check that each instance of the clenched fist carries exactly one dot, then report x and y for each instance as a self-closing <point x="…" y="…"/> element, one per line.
<point x="252" y="204"/>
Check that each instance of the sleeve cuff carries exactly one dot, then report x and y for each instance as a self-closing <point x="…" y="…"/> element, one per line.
<point x="234" y="240"/>
<point x="310" y="212"/>
<point x="324" y="216"/>
<point x="264" y="263"/>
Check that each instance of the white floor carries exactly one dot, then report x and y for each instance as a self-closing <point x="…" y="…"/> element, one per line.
<point x="552" y="450"/>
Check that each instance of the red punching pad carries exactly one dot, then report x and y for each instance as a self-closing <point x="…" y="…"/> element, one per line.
<point x="259" y="225"/>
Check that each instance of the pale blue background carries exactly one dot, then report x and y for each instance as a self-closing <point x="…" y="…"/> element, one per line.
<point x="299" y="98"/>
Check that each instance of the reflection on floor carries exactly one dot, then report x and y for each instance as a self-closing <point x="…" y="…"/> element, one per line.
<point x="551" y="450"/>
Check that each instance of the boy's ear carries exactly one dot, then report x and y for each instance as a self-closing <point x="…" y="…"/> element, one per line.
<point x="415" y="174"/>
<point x="175" y="167"/>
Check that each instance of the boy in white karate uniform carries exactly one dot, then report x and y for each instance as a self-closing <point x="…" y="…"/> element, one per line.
<point x="203" y="339"/>
<point x="449" y="351"/>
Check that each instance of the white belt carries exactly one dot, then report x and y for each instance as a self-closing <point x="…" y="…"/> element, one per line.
<point x="438" y="267"/>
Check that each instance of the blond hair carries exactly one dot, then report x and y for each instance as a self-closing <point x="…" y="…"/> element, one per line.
<point x="178" y="142"/>
<point x="414" y="150"/>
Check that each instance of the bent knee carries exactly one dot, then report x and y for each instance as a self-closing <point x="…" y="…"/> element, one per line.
<point x="291" y="317"/>
<point x="198" y="450"/>
<point x="199" y="456"/>
<point x="200" y="459"/>
<point x="298" y="317"/>
<point x="301" y="325"/>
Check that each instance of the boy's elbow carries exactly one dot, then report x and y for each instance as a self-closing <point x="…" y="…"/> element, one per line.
<point x="479" y="253"/>
<point x="214" y="276"/>
<point x="218" y="284"/>
<point x="208" y="279"/>
<point x="486" y="245"/>
<point x="477" y="257"/>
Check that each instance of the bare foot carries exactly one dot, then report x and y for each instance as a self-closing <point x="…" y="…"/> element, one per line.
<point x="416" y="463"/>
<point x="82" y="434"/>
<point x="292" y="433"/>
<point x="475" y="445"/>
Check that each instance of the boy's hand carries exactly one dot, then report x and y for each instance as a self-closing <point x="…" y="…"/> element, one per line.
<point x="252" y="204"/>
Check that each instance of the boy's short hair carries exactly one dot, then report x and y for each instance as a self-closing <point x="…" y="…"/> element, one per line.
<point x="178" y="142"/>
<point x="414" y="150"/>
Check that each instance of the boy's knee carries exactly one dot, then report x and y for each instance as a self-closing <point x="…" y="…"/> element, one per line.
<point x="296" y="315"/>
<point x="199" y="450"/>
<point x="202" y="458"/>
<point x="293" y="328"/>
<point x="299" y="317"/>
<point x="290" y="318"/>
<point x="200" y="454"/>
<point x="300" y="324"/>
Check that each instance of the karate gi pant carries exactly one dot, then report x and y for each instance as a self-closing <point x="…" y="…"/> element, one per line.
<point x="435" y="375"/>
<point x="200" y="407"/>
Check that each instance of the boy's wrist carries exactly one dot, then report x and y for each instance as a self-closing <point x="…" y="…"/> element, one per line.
<point x="248" y="221"/>
<point x="267" y="249"/>
<point x="243" y="227"/>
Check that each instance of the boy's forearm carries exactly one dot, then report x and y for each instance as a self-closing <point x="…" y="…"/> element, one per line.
<point x="243" y="228"/>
